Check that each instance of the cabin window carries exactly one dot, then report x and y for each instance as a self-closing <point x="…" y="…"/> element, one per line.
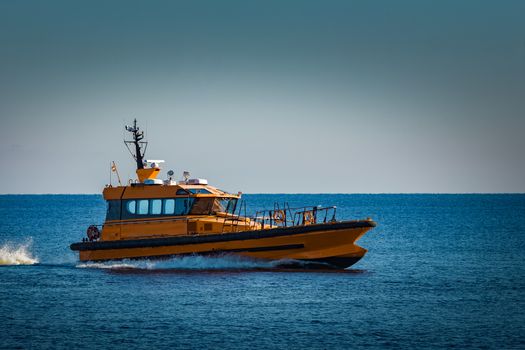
<point x="199" y="190"/>
<point x="132" y="207"/>
<point x="169" y="206"/>
<point x="113" y="212"/>
<point x="156" y="206"/>
<point x="183" y="205"/>
<point x="202" y="206"/>
<point x="143" y="206"/>
<point x="181" y="192"/>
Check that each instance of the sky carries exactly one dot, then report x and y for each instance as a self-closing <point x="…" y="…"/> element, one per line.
<point x="266" y="96"/>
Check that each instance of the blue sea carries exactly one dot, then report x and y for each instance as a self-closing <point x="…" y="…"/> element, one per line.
<point x="441" y="271"/>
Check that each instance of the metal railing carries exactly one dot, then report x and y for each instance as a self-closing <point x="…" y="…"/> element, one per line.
<point x="235" y="217"/>
<point x="286" y="217"/>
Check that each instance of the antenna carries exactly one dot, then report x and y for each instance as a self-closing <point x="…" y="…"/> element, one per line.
<point x="139" y="146"/>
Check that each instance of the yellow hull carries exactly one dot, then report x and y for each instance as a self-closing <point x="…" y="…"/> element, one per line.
<point x="331" y="243"/>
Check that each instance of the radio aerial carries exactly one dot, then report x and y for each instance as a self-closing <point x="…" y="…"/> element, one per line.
<point x="136" y="146"/>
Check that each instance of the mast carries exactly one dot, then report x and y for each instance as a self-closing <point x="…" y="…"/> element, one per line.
<point x="137" y="143"/>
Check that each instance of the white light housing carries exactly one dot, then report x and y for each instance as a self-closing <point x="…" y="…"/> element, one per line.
<point x="197" y="182"/>
<point x="153" y="182"/>
<point x="153" y="163"/>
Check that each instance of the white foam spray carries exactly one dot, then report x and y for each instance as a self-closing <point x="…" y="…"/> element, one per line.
<point x="12" y="254"/>
<point x="189" y="262"/>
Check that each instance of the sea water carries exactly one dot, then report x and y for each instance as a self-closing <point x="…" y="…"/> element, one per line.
<point x="441" y="271"/>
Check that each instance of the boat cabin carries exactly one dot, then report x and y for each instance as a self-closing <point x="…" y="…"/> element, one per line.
<point x="143" y="210"/>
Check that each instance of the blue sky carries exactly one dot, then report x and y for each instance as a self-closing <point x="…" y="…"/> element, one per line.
<point x="266" y="96"/>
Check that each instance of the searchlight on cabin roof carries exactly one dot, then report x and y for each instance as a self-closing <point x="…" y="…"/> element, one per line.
<point x="153" y="163"/>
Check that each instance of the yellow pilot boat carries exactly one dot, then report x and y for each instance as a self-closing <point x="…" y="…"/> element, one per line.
<point x="154" y="218"/>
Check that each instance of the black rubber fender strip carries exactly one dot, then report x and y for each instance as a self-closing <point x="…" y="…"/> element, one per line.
<point x="221" y="237"/>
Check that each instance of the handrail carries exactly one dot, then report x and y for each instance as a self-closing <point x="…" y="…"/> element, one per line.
<point x="300" y="216"/>
<point x="236" y="218"/>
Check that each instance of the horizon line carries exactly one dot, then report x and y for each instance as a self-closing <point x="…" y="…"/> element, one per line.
<point x="284" y="193"/>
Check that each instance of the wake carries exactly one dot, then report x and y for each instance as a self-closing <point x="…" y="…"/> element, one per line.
<point x="189" y="262"/>
<point x="207" y="263"/>
<point x="17" y="254"/>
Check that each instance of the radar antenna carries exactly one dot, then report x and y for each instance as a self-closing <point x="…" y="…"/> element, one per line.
<point x="139" y="145"/>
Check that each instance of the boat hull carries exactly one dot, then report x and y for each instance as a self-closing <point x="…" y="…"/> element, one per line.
<point x="330" y="244"/>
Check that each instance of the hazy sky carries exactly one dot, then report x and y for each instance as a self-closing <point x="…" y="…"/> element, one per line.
<point x="266" y="96"/>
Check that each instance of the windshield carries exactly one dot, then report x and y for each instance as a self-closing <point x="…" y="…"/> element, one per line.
<point x="225" y="205"/>
<point x="202" y="206"/>
<point x="207" y="206"/>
